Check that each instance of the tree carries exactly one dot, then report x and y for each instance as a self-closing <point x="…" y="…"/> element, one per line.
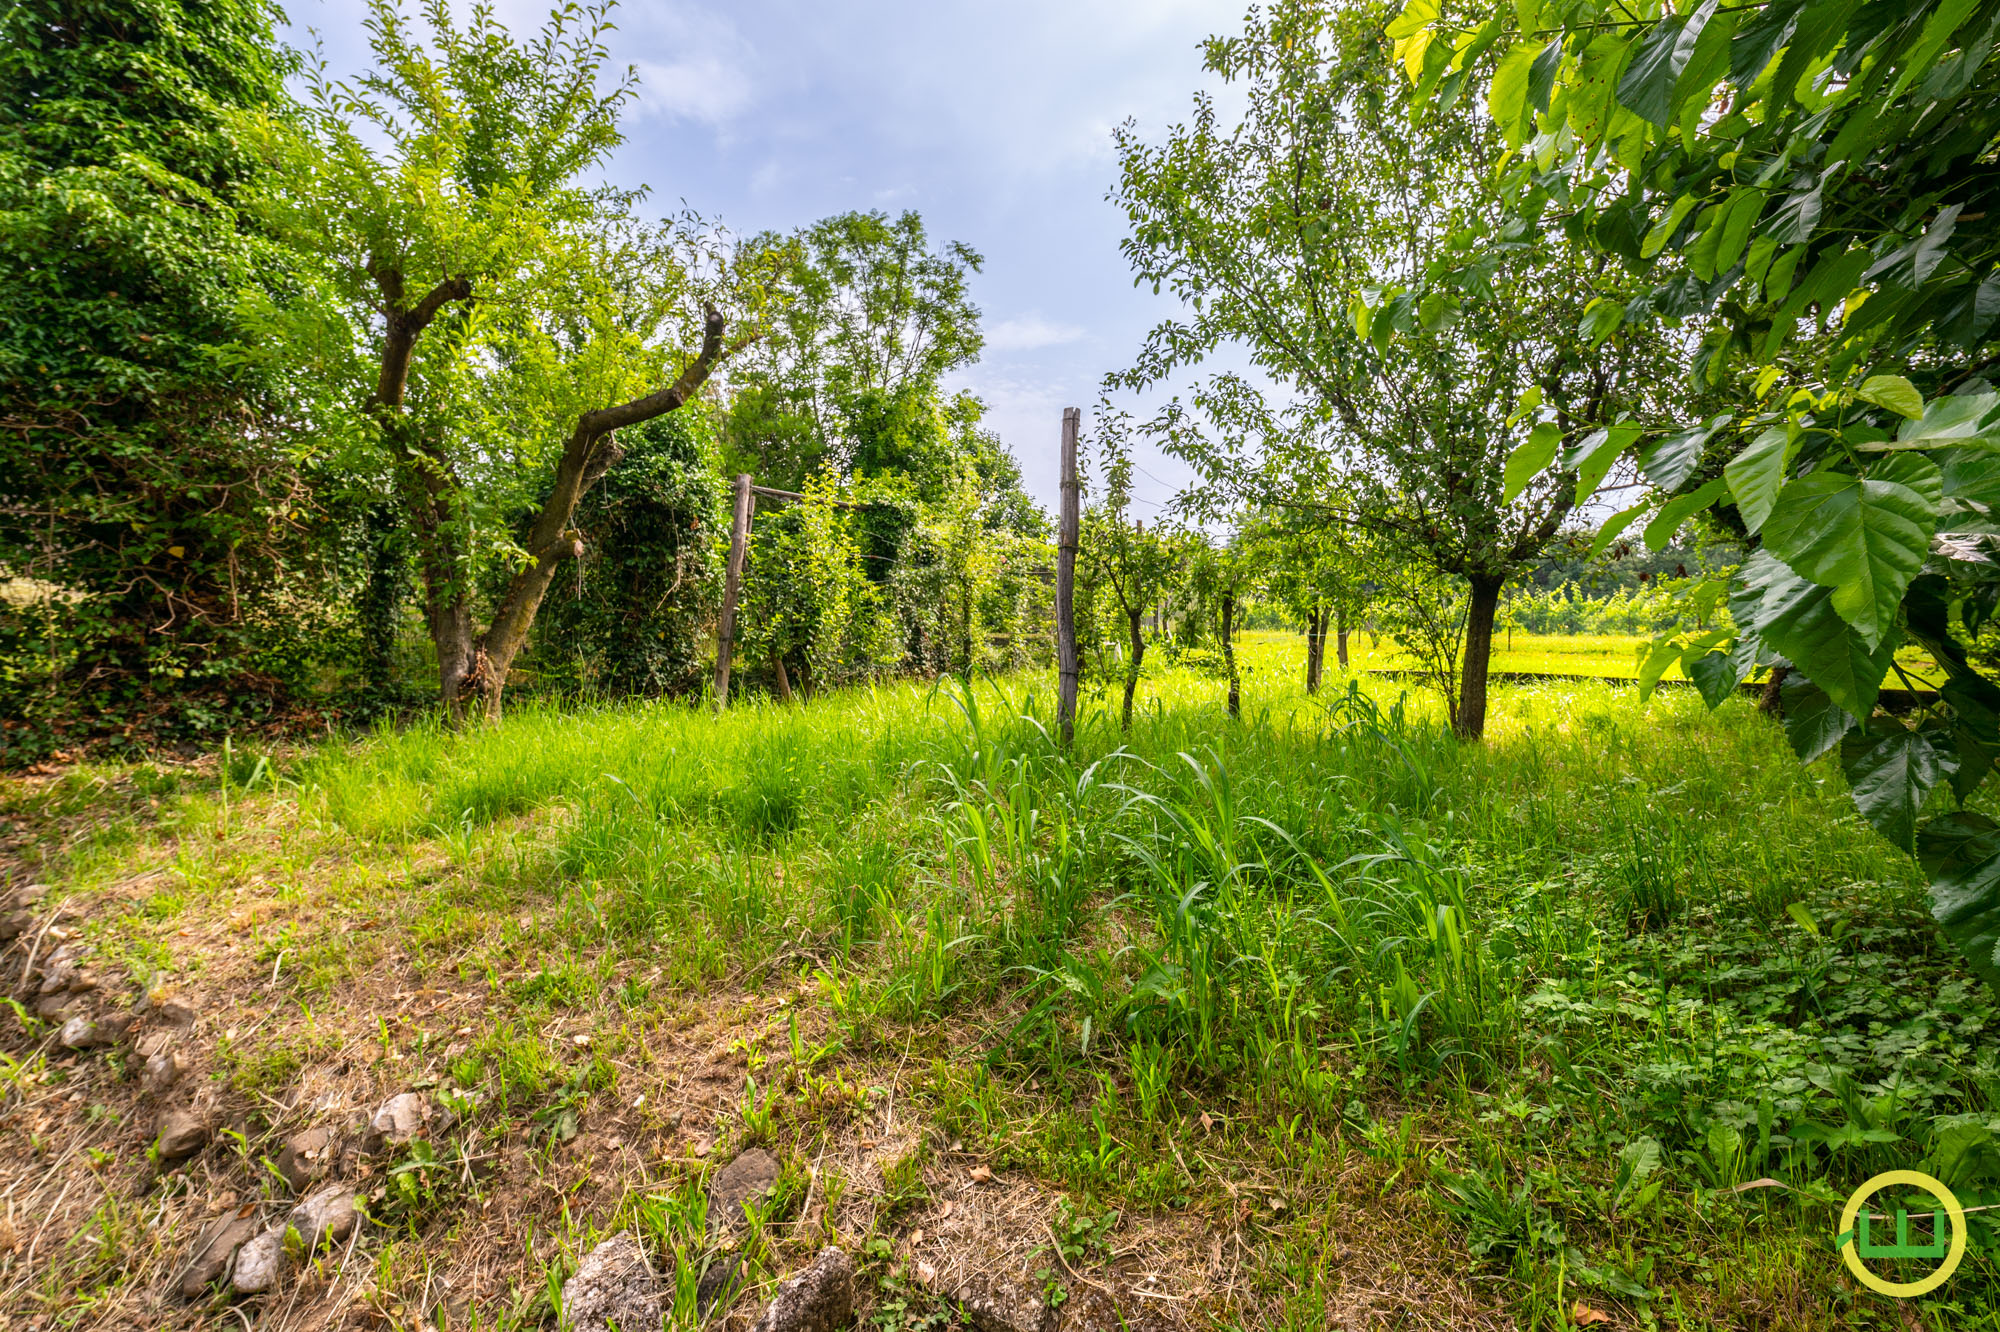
<point x="1808" y="181"/>
<point x="1318" y="570"/>
<point x="486" y="323"/>
<point x="849" y="375"/>
<point x="632" y="621"/>
<point x="1120" y="555"/>
<point x="1282" y="233"/>
<point x="148" y="479"/>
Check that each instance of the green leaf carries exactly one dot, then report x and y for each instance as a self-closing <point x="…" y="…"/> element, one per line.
<point x="1896" y="393"/>
<point x="1594" y="456"/>
<point x="1891" y="771"/>
<point x="1507" y="99"/>
<point x="1961" y="853"/>
<point x="1601" y="319"/>
<point x="1668" y="462"/>
<point x="1739" y="216"/>
<point x="1663" y="654"/>
<point x="1647" y="88"/>
<point x="1529" y="459"/>
<point x="1970" y="418"/>
<point x="1794" y="617"/>
<point x="1814" y="723"/>
<point x="1678" y="510"/>
<point x="1663" y="230"/>
<point x="1416" y="16"/>
<point x="1614" y="525"/>
<point x="1715" y="674"/>
<point x="1864" y="537"/>
<point x="1757" y="474"/>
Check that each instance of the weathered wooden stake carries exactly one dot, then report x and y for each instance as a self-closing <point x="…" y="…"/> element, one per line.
<point x="1067" y="536"/>
<point x="725" y="633"/>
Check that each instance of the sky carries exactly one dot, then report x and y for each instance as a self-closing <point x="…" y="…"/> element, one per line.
<point x="993" y="120"/>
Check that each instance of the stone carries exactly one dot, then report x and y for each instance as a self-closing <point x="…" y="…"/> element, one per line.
<point x="212" y="1253"/>
<point x="163" y="1069"/>
<point x="993" y="1301"/>
<point x="747" y="1179"/>
<point x="61" y="972"/>
<point x="327" y="1216"/>
<point x="175" y="1012"/>
<point x="14" y="924"/>
<point x="400" y="1119"/>
<point x="54" y="1007"/>
<point x="818" y="1299"/>
<point x="82" y="1033"/>
<point x="613" y="1287"/>
<point x="29" y="895"/>
<point x="181" y="1134"/>
<point x="259" y="1263"/>
<point x="307" y="1157"/>
<point x="718" y="1282"/>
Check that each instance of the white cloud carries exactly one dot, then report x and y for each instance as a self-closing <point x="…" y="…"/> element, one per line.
<point x="703" y="86"/>
<point x="1030" y="333"/>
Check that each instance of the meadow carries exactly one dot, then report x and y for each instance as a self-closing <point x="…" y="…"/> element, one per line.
<point x="1329" y="1019"/>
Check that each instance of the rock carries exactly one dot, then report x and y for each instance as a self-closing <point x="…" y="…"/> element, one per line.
<point x="175" y="1012"/>
<point x="613" y="1287"/>
<point x="326" y="1216"/>
<point x="718" y="1282"/>
<point x="259" y="1263"/>
<point x="53" y="1007"/>
<point x="14" y="924"/>
<point x="307" y="1157"/>
<point x="81" y="1033"/>
<point x="28" y="896"/>
<point x="994" y="1302"/>
<point x="60" y="973"/>
<point x="400" y="1119"/>
<point x="163" y="1069"/>
<point x="818" y="1299"/>
<point x="181" y="1134"/>
<point x="212" y="1252"/>
<point x="747" y="1179"/>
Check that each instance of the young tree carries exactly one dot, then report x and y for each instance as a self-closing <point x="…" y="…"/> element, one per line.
<point x="1320" y="572"/>
<point x="148" y="479"/>
<point x="1120" y="555"/>
<point x="849" y="376"/>
<point x="1812" y="180"/>
<point x="1280" y="232"/>
<point x="486" y="320"/>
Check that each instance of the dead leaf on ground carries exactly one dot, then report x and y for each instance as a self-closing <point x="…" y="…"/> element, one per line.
<point x="1583" y="1315"/>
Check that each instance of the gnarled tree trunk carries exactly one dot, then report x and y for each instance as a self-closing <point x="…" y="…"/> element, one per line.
<point x="1480" y="614"/>
<point x="1315" y="649"/>
<point x="1229" y="653"/>
<point x="1132" y="670"/>
<point x="591" y="451"/>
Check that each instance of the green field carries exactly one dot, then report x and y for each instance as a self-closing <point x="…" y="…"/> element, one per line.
<point x="1486" y="1031"/>
<point x="1611" y="657"/>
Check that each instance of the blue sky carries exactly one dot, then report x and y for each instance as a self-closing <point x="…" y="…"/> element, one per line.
<point x="991" y="119"/>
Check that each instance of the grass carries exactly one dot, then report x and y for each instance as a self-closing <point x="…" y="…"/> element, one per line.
<point x="1503" y="1028"/>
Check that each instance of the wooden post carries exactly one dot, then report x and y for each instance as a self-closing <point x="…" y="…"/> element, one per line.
<point x="725" y="633"/>
<point x="1067" y="537"/>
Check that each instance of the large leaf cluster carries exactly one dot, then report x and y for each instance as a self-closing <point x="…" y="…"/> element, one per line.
<point x="147" y="478"/>
<point x="1807" y="185"/>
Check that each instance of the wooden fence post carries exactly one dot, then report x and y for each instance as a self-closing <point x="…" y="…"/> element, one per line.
<point x="725" y="633"/>
<point x="1067" y="537"/>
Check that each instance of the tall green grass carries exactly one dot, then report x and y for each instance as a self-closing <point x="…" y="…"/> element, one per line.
<point x="1607" y="925"/>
